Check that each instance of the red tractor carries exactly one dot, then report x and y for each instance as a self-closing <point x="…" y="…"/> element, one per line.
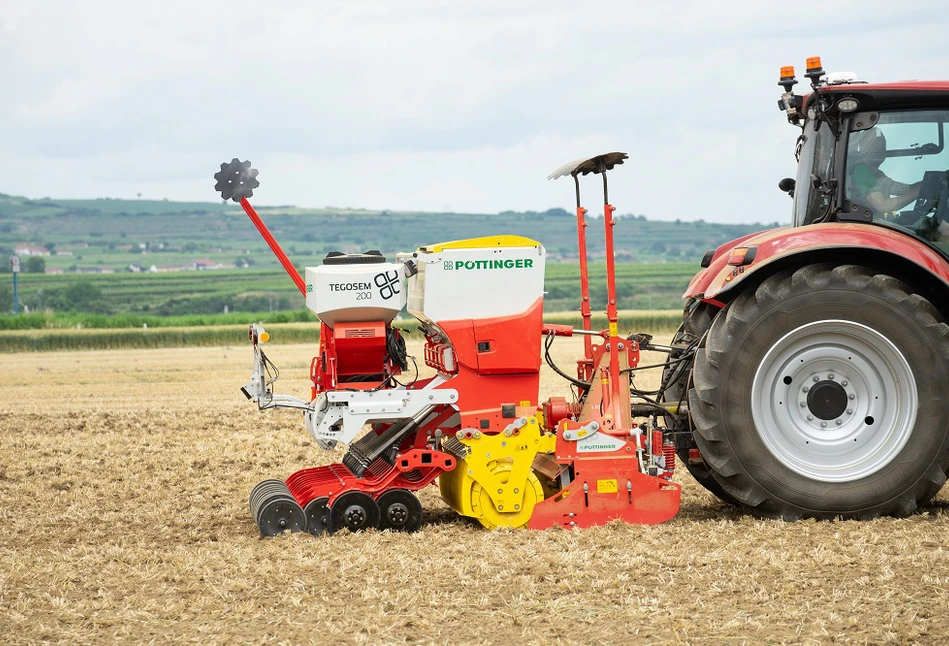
<point x="817" y="356"/>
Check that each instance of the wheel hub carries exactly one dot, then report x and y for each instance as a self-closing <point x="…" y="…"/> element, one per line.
<point x="355" y="516"/>
<point x="827" y="400"/>
<point x="352" y="510"/>
<point x="397" y="514"/>
<point x="834" y="400"/>
<point x="401" y="511"/>
<point x="836" y="403"/>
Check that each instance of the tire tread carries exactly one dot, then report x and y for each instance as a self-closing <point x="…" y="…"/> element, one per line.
<point x="711" y="414"/>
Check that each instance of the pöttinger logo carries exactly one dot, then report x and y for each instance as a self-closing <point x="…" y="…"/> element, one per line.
<point x="388" y="283"/>
<point x="449" y="265"/>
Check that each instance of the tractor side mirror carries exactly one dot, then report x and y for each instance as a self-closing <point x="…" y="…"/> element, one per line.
<point x="787" y="185"/>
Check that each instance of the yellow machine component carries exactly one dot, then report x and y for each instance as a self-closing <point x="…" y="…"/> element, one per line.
<point x="486" y="242"/>
<point x="493" y="481"/>
<point x="607" y="486"/>
<point x="493" y="515"/>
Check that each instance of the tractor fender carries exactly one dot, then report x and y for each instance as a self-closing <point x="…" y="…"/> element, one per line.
<point x="823" y="243"/>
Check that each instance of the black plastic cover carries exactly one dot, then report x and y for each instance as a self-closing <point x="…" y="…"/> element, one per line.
<point x="371" y="257"/>
<point x="598" y="164"/>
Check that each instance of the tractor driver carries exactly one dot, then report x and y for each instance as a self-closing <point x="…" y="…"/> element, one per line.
<point x="869" y="184"/>
<point x="871" y="187"/>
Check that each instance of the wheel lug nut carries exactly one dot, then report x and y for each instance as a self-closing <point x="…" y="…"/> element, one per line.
<point x="839" y="422"/>
<point x="823" y="424"/>
<point x="851" y="396"/>
<point x="844" y="382"/>
<point x="810" y="418"/>
<point x="803" y="404"/>
<point x="816" y="379"/>
<point x="830" y="376"/>
<point x="849" y="411"/>
<point x="805" y="389"/>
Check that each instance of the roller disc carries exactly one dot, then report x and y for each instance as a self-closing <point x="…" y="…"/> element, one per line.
<point x="274" y="509"/>
<point x="354" y="511"/>
<point x="316" y="512"/>
<point x="490" y="516"/>
<point x="263" y="489"/>
<point x="280" y="515"/>
<point x="401" y="510"/>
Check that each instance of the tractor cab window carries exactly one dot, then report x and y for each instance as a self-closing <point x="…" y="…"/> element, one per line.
<point x="813" y="189"/>
<point x="896" y="169"/>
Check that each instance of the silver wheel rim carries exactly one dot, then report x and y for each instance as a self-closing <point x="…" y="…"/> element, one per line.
<point x="834" y="401"/>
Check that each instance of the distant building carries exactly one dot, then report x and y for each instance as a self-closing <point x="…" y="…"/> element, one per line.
<point x="202" y="264"/>
<point x="54" y="270"/>
<point x="27" y="250"/>
<point x="63" y="252"/>
<point x="160" y="270"/>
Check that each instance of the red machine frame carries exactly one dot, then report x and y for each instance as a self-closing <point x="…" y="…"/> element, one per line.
<point x="624" y="474"/>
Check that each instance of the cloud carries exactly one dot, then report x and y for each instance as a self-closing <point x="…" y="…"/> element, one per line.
<point x="431" y="105"/>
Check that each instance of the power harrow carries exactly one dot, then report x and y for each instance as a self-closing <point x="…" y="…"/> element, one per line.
<point x="476" y="426"/>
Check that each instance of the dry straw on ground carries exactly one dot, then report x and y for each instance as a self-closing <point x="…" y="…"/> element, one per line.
<point x="123" y="499"/>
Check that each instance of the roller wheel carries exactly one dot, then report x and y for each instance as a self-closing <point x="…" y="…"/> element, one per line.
<point x="354" y="511"/>
<point x="316" y="512"/>
<point x="531" y="492"/>
<point x="274" y="509"/>
<point x="822" y="394"/>
<point x="696" y="319"/>
<point x="401" y="510"/>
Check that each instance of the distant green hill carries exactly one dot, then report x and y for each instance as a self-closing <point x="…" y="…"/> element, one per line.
<point x="119" y="233"/>
<point x="641" y="286"/>
<point x="656" y="258"/>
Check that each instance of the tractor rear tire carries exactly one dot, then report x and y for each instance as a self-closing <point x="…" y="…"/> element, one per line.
<point x="822" y="394"/>
<point x="696" y="319"/>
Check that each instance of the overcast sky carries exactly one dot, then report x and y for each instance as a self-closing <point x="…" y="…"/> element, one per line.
<point x="434" y="106"/>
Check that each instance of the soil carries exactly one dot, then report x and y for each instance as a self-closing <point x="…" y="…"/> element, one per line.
<point x="124" y="478"/>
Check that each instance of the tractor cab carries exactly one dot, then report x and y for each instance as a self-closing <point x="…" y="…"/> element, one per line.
<point x="871" y="153"/>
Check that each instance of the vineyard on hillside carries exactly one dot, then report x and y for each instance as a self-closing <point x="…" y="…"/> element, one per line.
<point x="641" y="286"/>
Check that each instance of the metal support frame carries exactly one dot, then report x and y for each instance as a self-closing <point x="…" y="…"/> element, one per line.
<point x="274" y="245"/>
<point x="585" y="311"/>
<point x="340" y="415"/>
<point x="599" y="164"/>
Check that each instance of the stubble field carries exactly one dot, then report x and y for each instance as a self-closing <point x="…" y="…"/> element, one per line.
<point x="124" y="478"/>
